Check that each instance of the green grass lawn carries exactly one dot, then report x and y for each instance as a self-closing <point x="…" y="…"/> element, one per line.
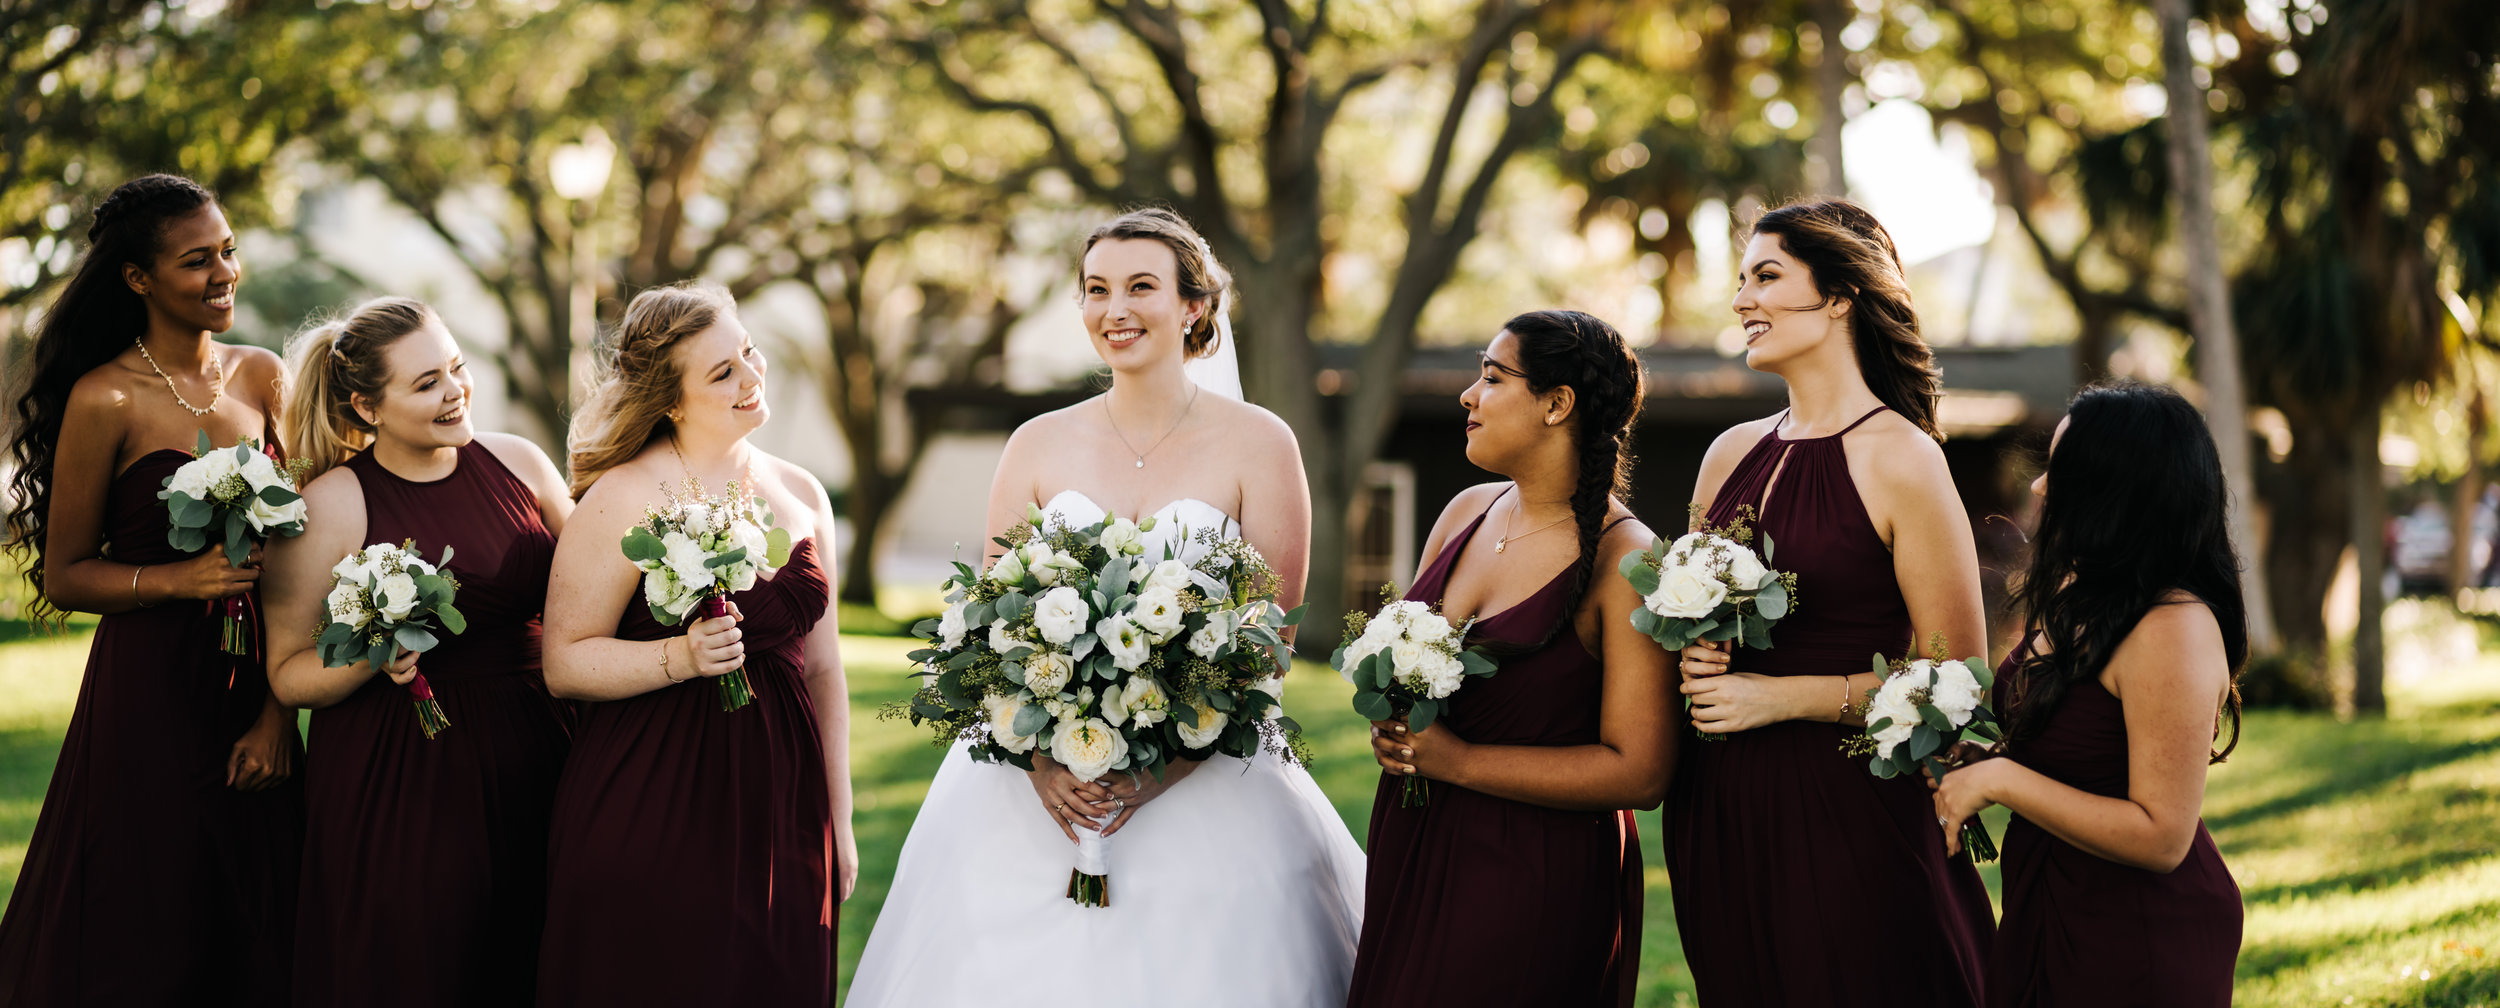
<point x="2369" y="852"/>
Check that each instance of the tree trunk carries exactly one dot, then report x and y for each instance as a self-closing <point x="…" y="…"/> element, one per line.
<point x="2369" y="524"/>
<point x="871" y="499"/>
<point x="2462" y="570"/>
<point x="2311" y="527"/>
<point x="2209" y="313"/>
<point x="1826" y="173"/>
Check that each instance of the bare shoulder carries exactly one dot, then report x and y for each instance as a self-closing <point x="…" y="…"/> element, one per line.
<point x="793" y="479"/>
<point x="1036" y="434"/>
<point x="1256" y="426"/>
<point x="1623" y="540"/>
<point x="255" y="368"/>
<point x="620" y="494"/>
<point x="2178" y="643"/>
<point x="1908" y="457"/>
<point x="103" y="391"/>
<point x="521" y="455"/>
<point x="1731" y="446"/>
<point x="337" y="488"/>
<point x="1465" y="506"/>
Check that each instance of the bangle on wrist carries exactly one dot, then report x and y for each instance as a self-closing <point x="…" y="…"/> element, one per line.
<point x="664" y="664"/>
<point x="134" y="587"/>
<point x="1847" y="706"/>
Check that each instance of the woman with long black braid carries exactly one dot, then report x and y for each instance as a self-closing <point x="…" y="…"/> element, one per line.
<point x="1519" y="882"/>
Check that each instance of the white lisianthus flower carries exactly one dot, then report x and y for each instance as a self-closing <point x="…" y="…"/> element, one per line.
<point x="395" y="594"/>
<point x="1170" y="575"/>
<point x="951" y="627"/>
<point x="1034" y="558"/>
<point x="1892" y="700"/>
<point x="1088" y="747"/>
<point x="1060" y="615"/>
<point x="658" y="589"/>
<point x="685" y="558"/>
<point x="1208" y="639"/>
<point x="1142" y="701"/>
<point x="1160" y="612"/>
<point x="346" y="606"/>
<point x="742" y="575"/>
<point x="1008" y="569"/>
<point x="1746" y="570"/>
<point x="1060" y="710"/>
<point x="1210" y="727"/>
<point x="1686" y="592"/>
<point x="1047" y="673"/>
<point x="1123" y="537"/>
<point x="1128" y="643"/>
<point x="1956" y="692"/>
<point x="1003" y="709"/>
<point x="1002" y="641"/>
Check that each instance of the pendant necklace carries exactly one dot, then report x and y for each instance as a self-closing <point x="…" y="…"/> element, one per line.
<point x="1167" y="434"/>
<point x="1504" y="542"/>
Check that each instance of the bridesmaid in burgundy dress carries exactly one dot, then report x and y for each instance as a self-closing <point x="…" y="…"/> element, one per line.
<point x="162" y="869"/>
<point x="1519" y="881"/>
<point x="424" y="859"/>
<point x="2114" y="893"/>
<point x="1801" y="879"/>
<point x="698" y="853"/>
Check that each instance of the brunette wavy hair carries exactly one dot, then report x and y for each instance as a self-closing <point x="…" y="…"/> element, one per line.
<point x="1852" y="257"/>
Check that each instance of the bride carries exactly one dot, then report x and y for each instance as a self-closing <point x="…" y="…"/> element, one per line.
<point x="1238" y="883"/>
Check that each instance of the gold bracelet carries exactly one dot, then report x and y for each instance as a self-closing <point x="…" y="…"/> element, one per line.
<point x="664" y="664"/>
<point x="134" y="588"/>
<point x="1846" y="708"/>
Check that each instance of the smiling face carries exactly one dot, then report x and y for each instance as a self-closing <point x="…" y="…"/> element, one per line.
<point x="191" y="283"/>
<point x="1132" y="303"/>
<point x="721" y="381"/>
<point x="1506" y="420"/>
<point x="1784" y="316"/>
<point x="425" y="404"/>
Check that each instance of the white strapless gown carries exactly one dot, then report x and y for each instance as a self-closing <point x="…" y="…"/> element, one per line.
<point x="1239" y="886"/>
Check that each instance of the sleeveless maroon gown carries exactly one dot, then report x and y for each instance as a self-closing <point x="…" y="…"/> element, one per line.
<point x="1476" y="900"/>
<point x="1801" y="879"/>
<point x="425" y="860"/>
<point x="2083" y="930"/>
<point x="692" y="855"/>
<point x="148" y="881"/>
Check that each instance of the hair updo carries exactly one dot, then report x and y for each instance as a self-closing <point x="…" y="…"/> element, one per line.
<point x="1201" y="277"/>
<point x="639" y="377"/>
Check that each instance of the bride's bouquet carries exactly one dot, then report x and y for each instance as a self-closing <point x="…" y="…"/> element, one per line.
<point x="1404" y="661"/>
<point x="694" y="551"/>
<point x="1076" y="645"/>
<point x="385" y="598"/>
<point x="242" y="495"/>
<point x="1916" y="716"/>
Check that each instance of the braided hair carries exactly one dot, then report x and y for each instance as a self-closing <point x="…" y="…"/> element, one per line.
<point x="1572" y="349"/>
<point x="1852" y="256"/>
<point x="95" y="316"/>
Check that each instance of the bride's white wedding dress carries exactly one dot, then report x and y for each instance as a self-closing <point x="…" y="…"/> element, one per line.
<point x="1238" y="886"/>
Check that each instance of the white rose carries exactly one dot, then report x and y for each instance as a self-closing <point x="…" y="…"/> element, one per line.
<point x="1683" y="548"/>
<point x="1892" y="700"/>
<point x="1047" y="673"/>
<point x="191" y="480"/>
<point x="751" y="536"/>
<point x="1123" y="537"/>
<point x="1208" y="639"/>
<point x="1160" y="612"/>
<point x="742" y="575"/>
<point x="1128" y="643"/>
<point x="1746" y="570"/>
<point x="1060" y="615"/>
<point x="1089" y="747"/>
<point x="1210" y="726"/>
<point x="1170" y="575"/>
<point x="657" y="588"/>
<point x="217" y="466"/>
<point x="345" y="606"/>
<point x="951" y="627"/>
<point x="685" y="558"/>
<point x="1408" y="655"/>
<point x="395" y="594"/>
<point x="353" y="567"/>
<point x="1003" y="709"/>
<point x="1956" y="692"/>
<point x="1686" y="592"/>
<point x="1430" y="627"/>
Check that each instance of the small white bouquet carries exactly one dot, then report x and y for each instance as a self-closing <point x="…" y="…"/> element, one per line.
<point x="1710" y="586"/>
<point x="242" y="494"/>
<point x="1404" y="661"/>
<point x="694" y="551"/>
<point x="1076" y="645"/>
<point x="1916" y="716"/>
<point x="383" y="599"/>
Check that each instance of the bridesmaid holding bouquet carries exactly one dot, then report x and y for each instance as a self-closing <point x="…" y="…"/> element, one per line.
<point x="1801" y="879"/>
<point x="424" y="858"/>
<point x="162" y="869"/>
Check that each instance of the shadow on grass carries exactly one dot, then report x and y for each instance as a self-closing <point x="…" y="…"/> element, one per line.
<point x="2363" y="765"/>
<point x="2272" y="958"/>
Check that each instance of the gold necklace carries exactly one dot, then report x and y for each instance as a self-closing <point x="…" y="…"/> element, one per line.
<point x="1504" y="542"/>
<point x="215" y="392"/>
<point x="746" y="473"/>
<point x="1167" y="435"/>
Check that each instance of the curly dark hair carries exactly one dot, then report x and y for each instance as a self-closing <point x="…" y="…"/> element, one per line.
<point x="93" y="319"/>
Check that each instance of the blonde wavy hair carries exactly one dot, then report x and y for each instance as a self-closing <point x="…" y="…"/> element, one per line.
<point x="332" y="362"/>
<point x="638" y="378"/>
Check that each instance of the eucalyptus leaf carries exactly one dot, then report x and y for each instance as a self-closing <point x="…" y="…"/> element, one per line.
<point x="413" y="637"/>
<point x="1421" y="716"/>
<point x="1373" y="706"/>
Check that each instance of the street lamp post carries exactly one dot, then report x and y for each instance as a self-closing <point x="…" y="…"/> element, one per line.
<point x="579" y="173"/>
